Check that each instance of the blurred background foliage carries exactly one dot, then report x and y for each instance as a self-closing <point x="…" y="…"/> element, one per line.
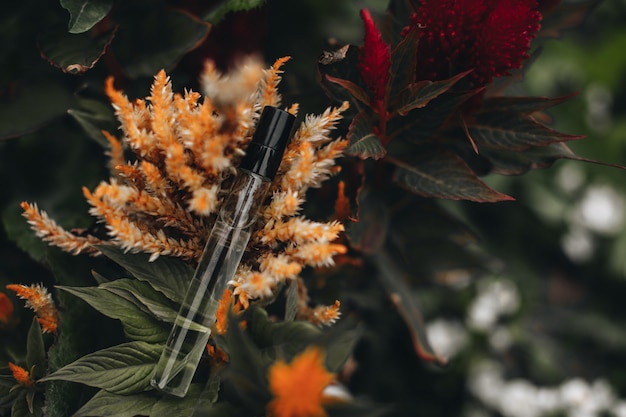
<point x="541" y="334"/>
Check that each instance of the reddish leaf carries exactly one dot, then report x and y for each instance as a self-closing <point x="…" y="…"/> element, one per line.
<point x="526" y="105"/>
<point x="403" y="63"/>
<point x="563" y="17"/>
<point x="421" y="124"/>
<point x="393" y="280"/>
<point x="374" y="58"/>
<point x="354" y="90"/>
<point x="442" y="174"/>
<point x="340" y="64"/>
<point x="499" y="130"/>
<point x="518" y="163"/>
<point x="363" y="142"/>
<point x="419" y="94"/>
<point x="368" y="234"/>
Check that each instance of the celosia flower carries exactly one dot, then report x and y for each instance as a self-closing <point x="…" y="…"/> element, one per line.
<point x="40" y="301"/>
<point x="185" y="148"/>
<point x="490" y="37"/>
<point x="374" y="59"/>
<point x="6" y="309"/>
<point x="318" y="315"/>
<point x="226" y="304"/>
<point x="21" y="375"/>
<point x="216" y="354"/>
<point x="325" y="314"/>
<point x="298" y="387"/>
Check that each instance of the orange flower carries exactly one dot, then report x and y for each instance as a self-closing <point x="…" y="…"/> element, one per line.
<point x="6" y="309"/>
<point x="217" y="355"/>
<point x="21" y="375"/>
<point x="298" y="387"/>
<point x="40" y="301"/>
<point x="342" y="203"/>
<point x="225" y="302"/>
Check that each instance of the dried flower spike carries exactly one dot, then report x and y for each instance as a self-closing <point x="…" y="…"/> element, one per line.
<point x="40" y="301"/>
<point x="185" y="146"/>
<point x="21" y="375"/>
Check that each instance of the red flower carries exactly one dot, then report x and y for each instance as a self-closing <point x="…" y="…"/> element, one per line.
<point x="489" y="36"/>
<point x="375" y="59"/>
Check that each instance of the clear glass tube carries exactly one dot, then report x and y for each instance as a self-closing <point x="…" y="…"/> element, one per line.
<point x="218" y="264"/>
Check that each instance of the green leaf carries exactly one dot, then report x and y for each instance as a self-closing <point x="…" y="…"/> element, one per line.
<point x="210" y="393"/>
<point x="393" y="280"/>
<point x="230" y="6"/>
<point x="169" y="406"/>
<point x="339" y="342"/>
<point x="444" y="175"/>
<point x="77" y="334"/>
<point x="144" y="296"/>
<point x="122" y="369"/>
<point x="247" y="367"/>
<point x="499" y="130"/>
<point x="171" y="276"/>
<point x="290" y="337"/>
<point x="108" y="404"/>
<point x="418" y="95"/>
<point x="74" y="53"/>
<point x="95" y="116"/>
<point x="26" y="405"/>
<point x="359" y="408"/>
<point x="19" y="231"/>
<point x="35" y="350"/>
<point x="26" y="111"/>
<point x="84" y="14"/>
<point x="100" y="279"/>
<point x="221" y="409"/>
<point x="291" y="307"/>
<point x="363" y="142"/>
<point x="137" y="324"/>
<point x="8" y="396"/>
<point x="156" y="41"/>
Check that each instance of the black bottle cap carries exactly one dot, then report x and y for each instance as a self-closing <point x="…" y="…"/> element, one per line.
<point x="265" y="151"/>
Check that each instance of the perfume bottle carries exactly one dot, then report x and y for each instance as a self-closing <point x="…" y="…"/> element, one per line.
<point x="222" y="253"/>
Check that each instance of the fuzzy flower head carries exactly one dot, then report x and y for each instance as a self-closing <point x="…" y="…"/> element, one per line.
<point x="490" y="37"/>
<point x="298" y="387"/>
<point x="21" y="375"/>
<point x="186" y="149"/>
<point x="40" y="301"/>
<point x="375" y="58"/>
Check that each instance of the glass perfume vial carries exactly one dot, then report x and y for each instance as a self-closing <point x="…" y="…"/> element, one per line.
<point x="223" y="252"/>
